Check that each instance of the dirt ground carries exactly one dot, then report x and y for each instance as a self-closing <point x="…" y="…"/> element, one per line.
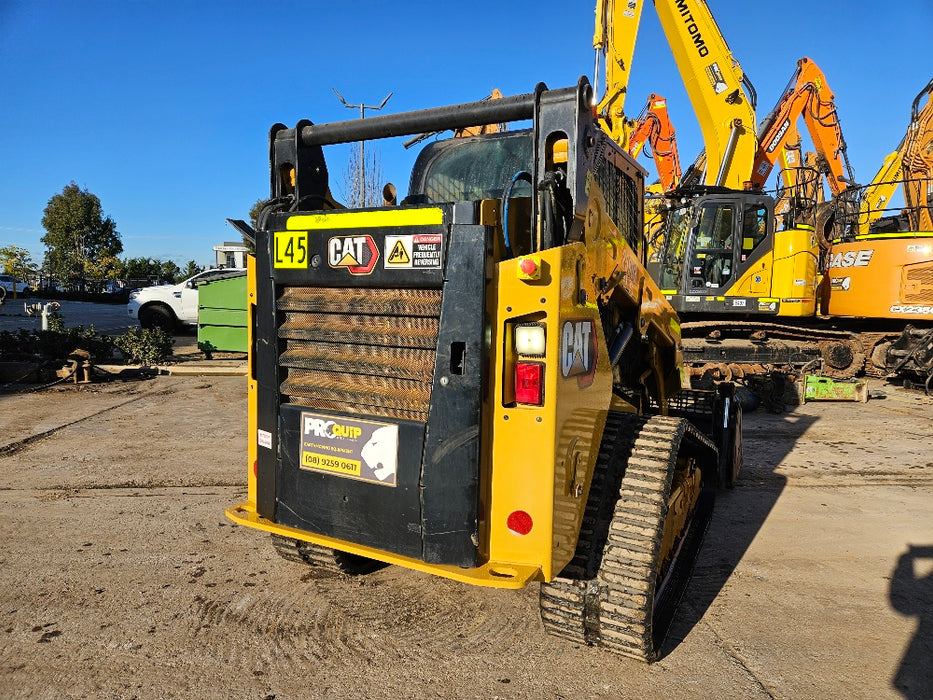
<point x="121" y="577"/>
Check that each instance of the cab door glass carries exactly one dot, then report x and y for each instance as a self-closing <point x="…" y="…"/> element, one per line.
<point x="754" y="229"/>
<point x="674" y="248"/>
<point x="712" y="259"/>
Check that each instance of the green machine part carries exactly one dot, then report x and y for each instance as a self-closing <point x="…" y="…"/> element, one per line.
<point x="222" y="318"/>
<point x="816" y="388"/>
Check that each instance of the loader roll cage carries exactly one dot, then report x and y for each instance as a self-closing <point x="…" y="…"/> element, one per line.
<point x="298" y="170"/>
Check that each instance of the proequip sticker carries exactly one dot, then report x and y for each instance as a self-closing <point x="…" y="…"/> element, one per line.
<point x="578" y="351"/>
<point x="419" y="250"/>
<point x="264" y="438"/>
<point x="356" y="449"/>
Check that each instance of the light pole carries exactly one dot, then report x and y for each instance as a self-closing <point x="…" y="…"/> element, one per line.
<point x="362" y="109"/>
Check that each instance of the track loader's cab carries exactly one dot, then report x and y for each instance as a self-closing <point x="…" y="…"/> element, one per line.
<point x="721" y="255"/>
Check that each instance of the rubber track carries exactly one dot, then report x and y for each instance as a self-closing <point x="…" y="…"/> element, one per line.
<point x="320" y="557"/>
<point x="617" y="608"/>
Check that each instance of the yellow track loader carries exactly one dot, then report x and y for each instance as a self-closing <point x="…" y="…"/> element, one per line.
<point x="483" y="382"/>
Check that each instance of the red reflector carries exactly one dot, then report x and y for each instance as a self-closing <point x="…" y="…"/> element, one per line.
<point x="256" y="467"/>
<point x="519" y="522"/>
<point x="529" y="383"/>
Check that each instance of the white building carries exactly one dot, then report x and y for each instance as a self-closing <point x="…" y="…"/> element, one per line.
<point x="230" y="254"/>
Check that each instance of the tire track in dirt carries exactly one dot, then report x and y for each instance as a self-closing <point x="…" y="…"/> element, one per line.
<point x="16" y="445"/>
<point x="389" y="614"/>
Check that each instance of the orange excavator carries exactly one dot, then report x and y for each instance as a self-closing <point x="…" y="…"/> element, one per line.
<point x="886" y="272"/>
<point x="807" y="95"/>
<point x="653" y="129"/>
<point x="801" y="182"/>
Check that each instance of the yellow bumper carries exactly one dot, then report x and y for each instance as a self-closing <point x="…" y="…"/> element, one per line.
<point x="492" y="574"/>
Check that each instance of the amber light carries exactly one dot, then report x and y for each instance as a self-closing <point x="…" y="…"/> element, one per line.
<point x="529" y="383"/>
<point x="519" y="522"/>
<point x="256" y="468"/>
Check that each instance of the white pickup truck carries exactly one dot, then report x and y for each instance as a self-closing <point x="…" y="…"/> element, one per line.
<point x="170" y="306"/>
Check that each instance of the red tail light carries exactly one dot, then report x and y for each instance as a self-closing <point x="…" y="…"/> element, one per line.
<point x="529" y="383"/>
<point x="519" y="522"/>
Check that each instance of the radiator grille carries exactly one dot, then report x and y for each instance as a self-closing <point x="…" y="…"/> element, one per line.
<point x="359" y="351"/>
<point x="919" y="285"/>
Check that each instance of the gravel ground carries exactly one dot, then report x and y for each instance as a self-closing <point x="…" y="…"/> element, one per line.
<point x="121" y="576"/>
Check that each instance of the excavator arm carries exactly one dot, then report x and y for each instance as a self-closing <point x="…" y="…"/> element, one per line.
<point x="614" y="43"/>
<point x="808" y="96"/>
<point x="918" y="162"/>
<point x="653" y="127"/>
<point x="879" y="191"/>
<point x="722" y="97"/>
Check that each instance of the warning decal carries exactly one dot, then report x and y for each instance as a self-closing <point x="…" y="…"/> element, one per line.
<point x="399" y="255"/>
<point x="413" y="251"/>
<point x="352" y="448"/>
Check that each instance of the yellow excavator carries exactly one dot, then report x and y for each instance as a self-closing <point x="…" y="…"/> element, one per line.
<point x="722" y="96"/>
<point x="747" y="284"/>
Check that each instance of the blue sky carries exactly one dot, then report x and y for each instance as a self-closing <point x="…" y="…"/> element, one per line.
<point x="162" y="109"/>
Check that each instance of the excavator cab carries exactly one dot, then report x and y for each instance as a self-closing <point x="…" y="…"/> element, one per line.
<point x="717" y="253"/>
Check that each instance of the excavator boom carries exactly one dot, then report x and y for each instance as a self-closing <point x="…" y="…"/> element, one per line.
<point x="918" y="162"/>
<point x="614" y="42"/>
<point x="653" y="127"/>
<point x="722" y="97"/>
<point x="807" y="96"/>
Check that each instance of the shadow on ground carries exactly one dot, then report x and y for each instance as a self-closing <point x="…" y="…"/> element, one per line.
<point x="739" y="513"/>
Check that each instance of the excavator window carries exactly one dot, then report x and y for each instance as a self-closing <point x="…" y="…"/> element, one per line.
<point x="675" y="245"/>
<point x="472" y="168"/>
<point x="711" y="264"/>
<point x="754" y="228"/>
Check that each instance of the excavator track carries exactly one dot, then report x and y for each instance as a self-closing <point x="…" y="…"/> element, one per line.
<point x="627" y="604"/>
<point x="323" y="558"/>
<point x="840" y="354"/>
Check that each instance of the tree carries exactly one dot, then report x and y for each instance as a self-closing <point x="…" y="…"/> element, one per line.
<point x="254" y="214"/>
<point x="139" y="270"/>
<point x="191" y="269"/>
<point x="103" y="269"/>
<point x="170" y="272"/>
<point x="17" y="262"/>
<point x="78" y="235"/>
<point x="361" y="185"/>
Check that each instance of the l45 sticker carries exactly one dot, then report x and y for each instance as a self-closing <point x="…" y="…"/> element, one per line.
<point x="358" y="254"/>
<point x="578" y="351"/>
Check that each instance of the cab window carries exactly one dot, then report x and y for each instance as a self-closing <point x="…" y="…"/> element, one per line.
<point x="754" y="228"/>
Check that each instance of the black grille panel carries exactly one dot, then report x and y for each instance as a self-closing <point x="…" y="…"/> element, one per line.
<point x="359" y="351"/>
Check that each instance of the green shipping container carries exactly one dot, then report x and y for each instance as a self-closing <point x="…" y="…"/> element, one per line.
<point x="222" y="314"/>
